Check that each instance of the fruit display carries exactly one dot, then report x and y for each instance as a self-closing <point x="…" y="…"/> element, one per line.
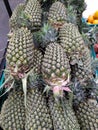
<point x="49" y="78"/>
<point x="93" y="19"/>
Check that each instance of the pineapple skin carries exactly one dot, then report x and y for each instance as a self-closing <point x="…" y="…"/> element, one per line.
<point x="20" y="48"/>
<point x="26" y="15"/>
<point x="63" y="116"/>
<point x="34" y="12"/>
<point x="76" y="51"/>
<point x="57" y="13"/>
<point x="87" y="114"/>
<point x="37" y="112"/>
<point x="13" y="111"/>
<point x="13" y="21"/>
<point x="55" y="63"/>
<point x="21" y="52"/>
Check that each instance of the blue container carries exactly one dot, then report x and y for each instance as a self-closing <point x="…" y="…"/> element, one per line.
<point x="2" y="76"/>
<point x="90" y="25"/>
<point x="2" y="79"/>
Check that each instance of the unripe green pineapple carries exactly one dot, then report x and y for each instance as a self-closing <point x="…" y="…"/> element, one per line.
<point x="57" y="13"/>
<point x="22" y="57"/>
<point x="33" y="12"/>
<point x="20" y="49"/>
<point x="13" y="22"/>
<point x="87" y="114"/>
<point x="13" y="110"/>
<point x="86" y="107"/>
<point x="76" y="51"/>
<point x="37" y="112"/>
<point x="55" y="65"/>
<point x="62" y="115"/>
<point x="21" y="52"/>
<point x="70" y="39"/>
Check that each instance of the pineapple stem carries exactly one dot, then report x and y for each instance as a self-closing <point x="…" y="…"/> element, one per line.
<point x="24" y="84"/>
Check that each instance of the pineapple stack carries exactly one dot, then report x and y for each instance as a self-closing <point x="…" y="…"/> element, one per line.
<point x="45" y="56"/>
<point x="77" y="53"/>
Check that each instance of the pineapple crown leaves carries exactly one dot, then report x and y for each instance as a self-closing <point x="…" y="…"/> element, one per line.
<point x="84" y="91"/>
<point x="79" y="93"/>
<point x="35" y="79"/>
<point x="86" y="39"/>
<point x="24" y="20"/>
<point x="49" y="34"/>
<point x="79" y="6"/>
<point x="46" y="35"/>
<point x="71" y="15"/>
<point x="90" y="35"/>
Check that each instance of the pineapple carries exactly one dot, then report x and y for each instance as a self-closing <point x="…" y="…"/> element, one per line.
<point x="13" y="110"/>
<point x="55" y="65"/>
<point x="76" y="51"/>
<point x="62" y="115"/>
<point x="22" y="57"/>
<point x="21" y="53"/>
<point x="26" y="15"/>
<point x="33" y="12"/>
<point x="86" y="106"/>
<point x="57" y="13"/>
<point x="37" y="112"/>
<point x="55" y="71"/>
<point x="13" y="22"/>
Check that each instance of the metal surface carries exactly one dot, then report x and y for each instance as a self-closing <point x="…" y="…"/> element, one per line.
<point x="5" y="11"/>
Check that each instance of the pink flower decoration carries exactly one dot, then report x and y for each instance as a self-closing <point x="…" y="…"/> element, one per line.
<point x="21" y="75"/>
<point x="66" y="89"/>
